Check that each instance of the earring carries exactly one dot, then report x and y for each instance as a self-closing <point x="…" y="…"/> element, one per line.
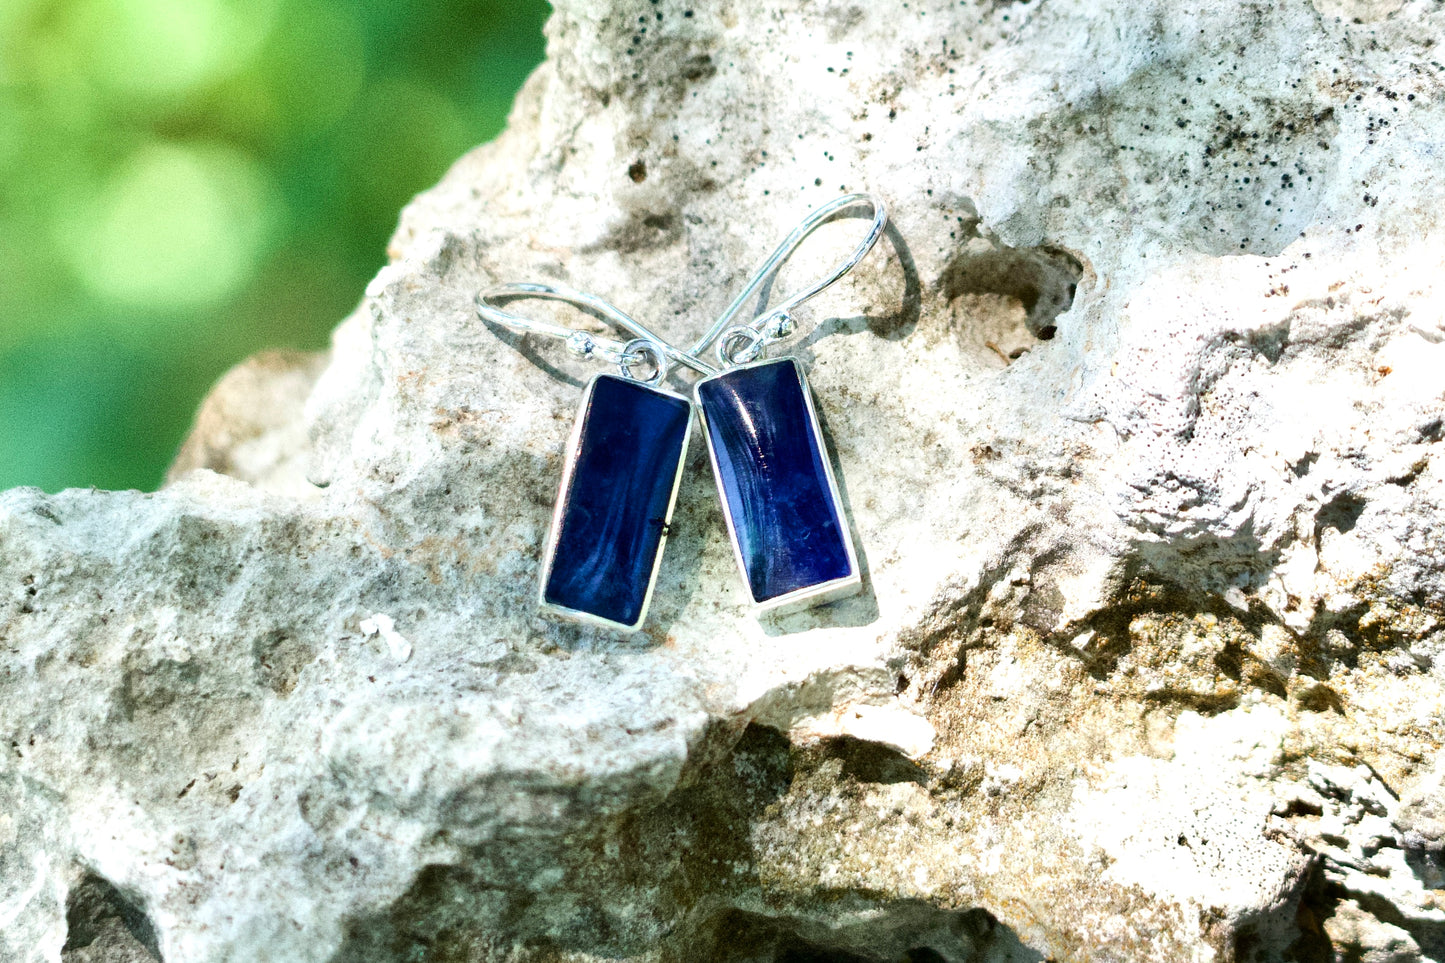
<point x="774" y="476"/>
<point x="622" y="468"/>
<point x="624" y="459"/>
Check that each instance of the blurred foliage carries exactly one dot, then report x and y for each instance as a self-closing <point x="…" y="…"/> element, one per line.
<point x="185" y="182"/>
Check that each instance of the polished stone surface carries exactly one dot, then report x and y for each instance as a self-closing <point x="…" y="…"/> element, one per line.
<point x="770" y="468"/>
<point x="618" y="500"/>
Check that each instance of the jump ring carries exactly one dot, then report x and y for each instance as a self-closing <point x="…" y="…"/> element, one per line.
<point x="643" y="350"/>
<point x="751" y="340"/>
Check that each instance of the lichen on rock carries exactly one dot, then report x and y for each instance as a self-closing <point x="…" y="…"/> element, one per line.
<point x="1138" y="414"/>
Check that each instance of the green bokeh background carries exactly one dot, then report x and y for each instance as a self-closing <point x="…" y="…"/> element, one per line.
<point x="185" y="182"/>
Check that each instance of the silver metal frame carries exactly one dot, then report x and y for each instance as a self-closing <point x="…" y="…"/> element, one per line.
<point x="803" y="598"/>
<point x="574" y="441"/>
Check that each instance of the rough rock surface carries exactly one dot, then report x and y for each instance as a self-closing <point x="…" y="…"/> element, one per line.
<point x="1138" y="410"/>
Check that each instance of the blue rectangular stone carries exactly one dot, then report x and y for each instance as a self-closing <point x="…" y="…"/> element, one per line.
<point x="778" y="493"/>
<point x="618" y="488"/>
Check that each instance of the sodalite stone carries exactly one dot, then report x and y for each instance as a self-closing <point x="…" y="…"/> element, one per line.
<point x="771" y="470"/>
<point x="617" y="500"/>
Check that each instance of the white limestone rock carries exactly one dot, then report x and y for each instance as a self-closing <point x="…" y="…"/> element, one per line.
<point x="1138" y="412"/>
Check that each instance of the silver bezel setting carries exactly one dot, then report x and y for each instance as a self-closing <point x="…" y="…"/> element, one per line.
<point x="804" y="598"/>
<point x="569" y="467"/>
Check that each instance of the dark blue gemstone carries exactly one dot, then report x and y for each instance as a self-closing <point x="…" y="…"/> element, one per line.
<point x="618" y="500"/>
<point x="771" y="470"/>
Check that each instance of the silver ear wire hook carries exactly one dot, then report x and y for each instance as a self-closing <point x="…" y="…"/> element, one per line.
<point x="644" y="347"/>
<point x="741" y="343"/>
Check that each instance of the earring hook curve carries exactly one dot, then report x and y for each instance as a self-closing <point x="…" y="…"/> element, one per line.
<point x="585" y="345"/>
<point x="777" y="323"/>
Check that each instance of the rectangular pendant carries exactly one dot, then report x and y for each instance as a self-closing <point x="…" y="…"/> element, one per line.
<point x="619" y="484"/>
<point x="778" y="493"/>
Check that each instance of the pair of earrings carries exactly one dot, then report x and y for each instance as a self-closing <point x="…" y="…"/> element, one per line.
<point x="629" y="443"/>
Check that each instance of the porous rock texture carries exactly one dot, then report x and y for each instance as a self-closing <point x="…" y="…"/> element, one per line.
<point x="1138" y="414"/>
